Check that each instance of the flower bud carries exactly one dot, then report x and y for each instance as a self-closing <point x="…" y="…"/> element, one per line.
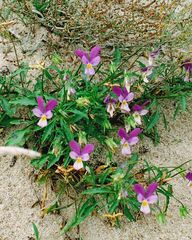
<point x="107" y="124"/>
<point x="112" y="67"/>
<point x="82" y="138"/>
<point x="118" y="176"/>
<point x="70" y="92"/>
<point x="111" y="144"/>
<point x="82" y="101"/>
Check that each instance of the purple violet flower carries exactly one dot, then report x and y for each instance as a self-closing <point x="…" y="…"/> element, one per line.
<point x="147" y="71"/>
<point x="111" y="104"/>
<point x="124" y="97"/>
<point x="70" y="92"/>
<point x="89" y="61"/>
<point x="128" y="140"/>
<point x="146" y="197"/>
<point x="152" y="56"/>
<point x="138" y="112"/>
<point x="124" y="194"/>
<point x="80" y="155"/>
<point x="188" y="68"/>
<point x="44" y="111"/>
<point x="189" y="178"/>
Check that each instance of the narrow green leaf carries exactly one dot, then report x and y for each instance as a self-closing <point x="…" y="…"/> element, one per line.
<point x="7" y="107"/>
<point x="52" y="160"/>
<point x="24" y="101"/>
<point x="100" y="190"/>
<point x="36" y="232"/>
<point x="183" y="102"/>
<point x="38" y="163"/>
<point x="18" y="138"/>
<point x="128" y="214"/>
<point x="153" y="120"/>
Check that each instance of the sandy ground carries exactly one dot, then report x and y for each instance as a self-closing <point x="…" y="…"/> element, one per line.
<point x="18" y="192"/>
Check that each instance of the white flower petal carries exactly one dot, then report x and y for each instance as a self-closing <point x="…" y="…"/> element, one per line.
<point x="78" y="165"/>
<point x="126" y="150"/>
<point x="145" y="207"/>
<point x="42" y="122"/>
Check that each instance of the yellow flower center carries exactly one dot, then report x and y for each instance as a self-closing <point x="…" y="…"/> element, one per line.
<point x="89" y="65"/>
<point x="126" y="144"/>
<point x="44" y="118"/>
<point x="79" y="160"/>
<point x="144" y="203"/>
<point x="124" y="103"/>
<point x="136" y="115"/>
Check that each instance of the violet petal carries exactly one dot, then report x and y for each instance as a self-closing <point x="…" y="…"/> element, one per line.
<point x="122" y="133"/>
<point x="51" y="105"/>
<point x="135" y="132"/>
<point x="95" y="51"/>
<point x="118" y="91"/>
<point x="189" y="176"/>
<point x="138" y="188"/>
<point x="41" y="104"/>
<point x="137" y="108"/>
<point x="88" y="149"/>
<point x="151" y="189"/>
<point x="75" y="146"/>
<point x="85" y="60"/>
<point x="95" y="61"/>
<point x="80" y="53"/>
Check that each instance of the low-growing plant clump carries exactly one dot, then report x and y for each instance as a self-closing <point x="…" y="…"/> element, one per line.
<point x="85" y="122"/>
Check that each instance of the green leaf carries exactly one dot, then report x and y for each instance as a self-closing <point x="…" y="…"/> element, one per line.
<point x="24" y="101"/>
<point x="38" y="163"/>
<point x="165" y="121"/>
<point x="176" y="111"/>
<point x="48" y="75"/>
<point x="113" y="206"/>
<point x="36" y="232"/>
<point x="52" y="160"/>
<point x="128" y="214"/>
<point x="7" y="107"/>
<point x="153" y="120"/>
<point x="18" y="138"/>
<point x="78" y="115"/>
<point x="82" y="213"/>
<point x="51" y="208"/>
<point x="66" y="129"/>
<point x="20" y="121"/>
<point x="183" y="102"/>
<point x="183" y="211"/>
<point x="5" y="120"/>
<point x="48" y="131"/>
<point x="117" y="56"/>
<point x="142" y="65"/>
<point x="161" y="218"/>
<point x="100" y="190"/>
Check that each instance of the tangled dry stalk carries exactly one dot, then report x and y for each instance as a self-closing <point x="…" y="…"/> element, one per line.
<point x="126" y="24"/>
